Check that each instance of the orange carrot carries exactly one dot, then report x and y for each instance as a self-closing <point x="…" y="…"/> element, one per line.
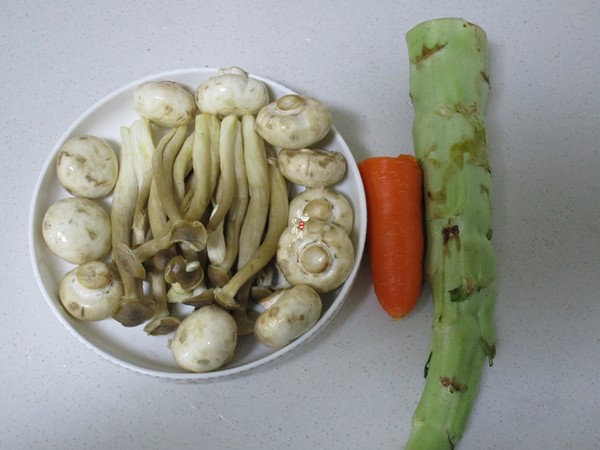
<point x="395" y="235"/>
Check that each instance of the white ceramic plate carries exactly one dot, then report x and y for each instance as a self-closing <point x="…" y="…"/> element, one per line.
<point x="131" y="347"/>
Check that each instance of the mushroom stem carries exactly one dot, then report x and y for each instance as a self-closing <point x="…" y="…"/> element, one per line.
<point x="133" y="309"/>
<point x="162" y="322"/>
<point x="229" y="136"/>
<point x="142" y="146"/>
<point x="186" y="198"/>
<point x="215" y="155"/>
<point x="277" y="222"/>
<point x="257" y="173"/>
<point x="205" y="145"/>
<point x="215" y="245"/>
<point x="251" y="234"/>
<point x="90" y="291"/>
<point x="197" y="300"/>
<point x="162" y="165"/>
<point x="219" y="274"/>
<point x="157" y="218"/>
<point x="182" y="166"/>
<point x="316" y="253"/>
<point x="267" y="281"/>
<point x="291" y="104"/>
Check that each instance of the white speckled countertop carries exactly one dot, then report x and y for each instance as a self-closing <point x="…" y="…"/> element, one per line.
<point x="356" y="385"/>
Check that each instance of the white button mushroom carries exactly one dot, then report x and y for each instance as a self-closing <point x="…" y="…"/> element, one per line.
<point x="205" y="340"/>
<point x="311" y="167"/>
<point x="293" y="313"/>
<point x="87" y="166"/>
<point x="323" y="204"/>
<point x="232" y="91"/>
<point x="90" y="291"/>
<point x="165" y="103"/>
<point x="316" y="253"/>
<point x="77" y="230"/>
<point x="294" y="121"/>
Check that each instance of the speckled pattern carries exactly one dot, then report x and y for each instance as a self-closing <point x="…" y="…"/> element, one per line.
<point x="354" y="386"/>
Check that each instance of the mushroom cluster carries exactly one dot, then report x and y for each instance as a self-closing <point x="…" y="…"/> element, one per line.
<point x="200" y="215"/>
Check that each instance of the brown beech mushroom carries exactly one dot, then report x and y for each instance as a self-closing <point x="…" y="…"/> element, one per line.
<point x="199" y="298"/>
<point x="323" y="204"/>
<point x="312" y="167"/>
<point x="162" y="322"/>
<point x="276" y="223"/>
<point x="134" y="308"/>
<point x="90" y="291"/>
<point x="294" y="121"/>
<point x="181" y="231"/>
<point x="318" y="254"/>
<point x="187" y="275"/>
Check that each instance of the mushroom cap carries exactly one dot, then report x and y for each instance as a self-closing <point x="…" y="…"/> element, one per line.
<point x="186" y="274"/>
<point x="292" y="314"/>
<point x="77" y="230"/>
<point x="132" y="311"/>
<point x="165" y="103"/>
<point x="205" y="340"/>
<point x="232" y="91"/>
<point x="87" y="166"/>
<point x="90" y="291"/>
<point x="294" y="121"/>
<point x="311" y="167"/>
<point x="316" y="253"/>
<point x="217" y="275"/>
<point x="192" y="233"/>
<point x="323" y="204"/>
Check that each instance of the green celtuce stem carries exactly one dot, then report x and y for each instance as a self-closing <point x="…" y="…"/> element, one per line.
<point x="449" y="86"/>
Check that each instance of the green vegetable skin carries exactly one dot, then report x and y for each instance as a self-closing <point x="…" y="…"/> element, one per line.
<point x="449" y="86"/>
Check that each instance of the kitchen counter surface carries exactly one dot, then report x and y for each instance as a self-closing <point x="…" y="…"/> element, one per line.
<point x="357" y="384"/>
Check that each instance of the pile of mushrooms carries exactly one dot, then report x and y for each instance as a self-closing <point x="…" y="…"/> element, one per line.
<point x="202" y="240"/>
<point x="77" y="228"/>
